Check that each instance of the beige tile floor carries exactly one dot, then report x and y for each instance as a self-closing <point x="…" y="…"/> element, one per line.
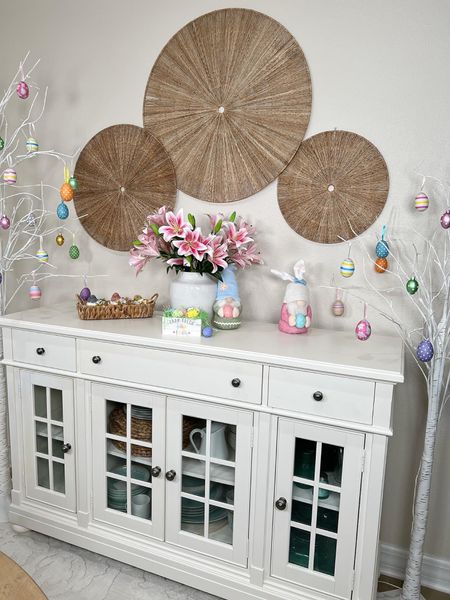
<point x="427" y="593"/>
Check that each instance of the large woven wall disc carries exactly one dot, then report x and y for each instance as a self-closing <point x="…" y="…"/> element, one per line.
<point x="335" y="187"/>
<point x="124" y="174"/>
<point x="230" y="98"/>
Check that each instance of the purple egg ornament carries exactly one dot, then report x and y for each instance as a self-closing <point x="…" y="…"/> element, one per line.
<point x="23" y="90"/>
<point x="425" y="351"/>
<point x="445" y="220"/>
<point x="5" y="222"/>
<point x="363" y="330"/>
<point x="85" y="293"/>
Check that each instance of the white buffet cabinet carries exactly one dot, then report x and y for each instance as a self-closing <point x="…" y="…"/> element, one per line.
<point x="249" y="465"/>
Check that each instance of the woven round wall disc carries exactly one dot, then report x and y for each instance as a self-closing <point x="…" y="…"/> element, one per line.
<point x="335" y="187"/>
<point x="230" y="98"/>
<point x="123" y="174"/>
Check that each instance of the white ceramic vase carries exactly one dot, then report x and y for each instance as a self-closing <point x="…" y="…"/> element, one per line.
<point x="193" y="289"/>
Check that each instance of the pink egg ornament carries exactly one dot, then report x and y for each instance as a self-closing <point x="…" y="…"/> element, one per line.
<point x="35" y="292"/>
<point x="445" y="220"/>
<point x="5" y="223"/>
<point x="363" y="330"/>
<point x="23" y="91"/>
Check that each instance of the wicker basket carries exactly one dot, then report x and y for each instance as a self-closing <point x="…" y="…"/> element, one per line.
<point x="129" y="310"/>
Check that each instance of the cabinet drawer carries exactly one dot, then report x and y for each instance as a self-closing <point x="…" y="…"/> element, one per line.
<point x="342" y="398"/>
<point x="177" y="371"/>
<point x="44" y="349"/>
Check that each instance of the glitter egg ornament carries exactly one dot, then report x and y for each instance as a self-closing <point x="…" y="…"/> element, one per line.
<point x="85" y="294"/>
<point x="74" y="252"/>
<point x="412" y="285"/>
<point x="347" y="267"/>
<point x="363" y="330"/>
<point x="62" y="211"/>
<point x="2" y="143"/>
<point x="73" y="183"/>
<point x="32" y="145"/>
<point x="35" y="292"/>
<point x="382" y="249"/>
<point x="42" y="255"/>
<point x="66" y="192"/>
<point x="338" y="308"/>
<point x="445" y="220"/>
<point x="9" y="176"/>
<point x="60" y="239"/>
<point x="22" y="89"/>
<point x="381" y="265"/>
<point x="5" y="223"/>
<point x="207" y="331"/>
<point x="425" y="351"/>
<point x="422" y="202"/>
<point x="31" y="220"/>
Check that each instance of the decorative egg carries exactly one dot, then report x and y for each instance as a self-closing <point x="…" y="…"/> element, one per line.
<point x="363" y="330"/>
<point x="2" y="143"/>
<point x="422" y="202"/>
<point x="5" y="223"/>
<point x="412" y="285"/>
<point x="347" y="267"/>
<point x="62" y="211"/>
<point x="42" y="255"/>
<point x="338" y="308"/>
<point x="31" y="220"/>
<point x="92" y="299"/>
<point x="66" y="192"/>
<point x="74" y="252"/>
<point x="207" y="331"/>
<point x="9" y="175"/>
<point x="382" y="249"/>
<point x="115" y="297"/>
<point x="60" y="239"/>
<point x="32" y="145"/>
<point x="1" y="278"/>
<point x="85" y="294"/>
<point x="445" y="220"/>
<point x="73" y="183"/>
<point x="35" y="292"/>
<point x="381" y="265"/>
<point x="425" y="351"/>
<point x="300" y="321"/>
<point x="22" y="89"/>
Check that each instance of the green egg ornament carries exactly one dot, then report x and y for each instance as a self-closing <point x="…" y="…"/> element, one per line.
<point x="2" y="143"/>
<point x="412" y="286"/>
<point x="73" y="183"/>
<point x="74" y="252"/>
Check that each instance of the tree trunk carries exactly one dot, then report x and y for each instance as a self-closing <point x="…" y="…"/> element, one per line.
<point x="5" y="477"/>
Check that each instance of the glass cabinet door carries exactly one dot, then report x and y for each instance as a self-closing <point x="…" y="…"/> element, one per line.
<point x="316" y="502"/>
<point x="128" y="469"/>
<point x="208" y="470"/>
<point x="48" y="417"/>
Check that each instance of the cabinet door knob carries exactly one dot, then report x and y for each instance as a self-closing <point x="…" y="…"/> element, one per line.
<point x="236" y="382"/>
<point x="156" y="471"/>
<point x="96" y="360"/>
<point x="318" y="396"/>
<point x="40" y="351"/>
<point x="66" y="447"/>
<point x="281" y="503"/>
<point x="170" y="475"/>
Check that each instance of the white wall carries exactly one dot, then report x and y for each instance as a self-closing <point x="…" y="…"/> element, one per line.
<point x="378" y="68"/>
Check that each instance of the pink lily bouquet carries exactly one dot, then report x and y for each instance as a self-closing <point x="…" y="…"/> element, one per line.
<point x="183" y="247"/>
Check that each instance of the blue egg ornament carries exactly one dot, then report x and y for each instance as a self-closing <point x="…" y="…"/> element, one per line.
<point x="207" y="331"/>
<point x="300" y="321"/>
<point x="425" y="351"/>
<point x="62" y="211"/>
<point x="382" y="249"/>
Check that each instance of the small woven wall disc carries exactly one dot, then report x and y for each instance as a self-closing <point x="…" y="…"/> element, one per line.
<point x="335" y="187"/>
<point x="230" y="98"/>
<point x="123" y="174"/>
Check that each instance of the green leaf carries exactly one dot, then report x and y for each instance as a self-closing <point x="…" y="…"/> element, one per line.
<point x="137" y="243"/>
<point x="155" y="228"/>
<point x="191" y="220"/>
<point x="232" y="217"/>
<point x="218" y="226"/>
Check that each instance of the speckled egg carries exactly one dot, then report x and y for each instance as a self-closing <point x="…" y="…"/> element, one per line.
<point x="381" y="265"/>
<point x="425" y="351"/>
<point x="62" y="211"/>
<point x="347" y="267"/>
<point x="66" y="192"/>
<point x="382" y="249"/>
<point x="337" y="308"/>
<point x="363" y="330"/>
<point x="422" y="202"/>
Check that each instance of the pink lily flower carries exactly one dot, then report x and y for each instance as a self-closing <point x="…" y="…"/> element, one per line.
<point x="237" y="237"/>
<point x="158" y="218"/>
<point x="192" y="245"/>
<point x="177" y="262"/>
<point x="217" y="253"/>
<point x="214" y="219"/>
<point x="246" y="256"/>
<point x="177" y="226"/>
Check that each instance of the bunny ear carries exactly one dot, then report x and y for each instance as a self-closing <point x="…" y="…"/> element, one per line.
<point x="299" y="269"/>
<point x="283" y="276"/>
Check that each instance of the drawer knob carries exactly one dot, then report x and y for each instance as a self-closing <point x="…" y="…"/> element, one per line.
<point x="170" y="475"/>
<point x="318" y="396"/>
<point x="40" y="351"/>
<point x="281" y="503"/>
<point x="66" y="447"/>
<point x="156" y="471"/>
<point x="96" y="360"/>
<point x="236" y="382"/>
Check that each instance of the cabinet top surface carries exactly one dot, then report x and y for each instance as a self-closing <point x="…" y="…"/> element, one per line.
<point x="380" y="358"/>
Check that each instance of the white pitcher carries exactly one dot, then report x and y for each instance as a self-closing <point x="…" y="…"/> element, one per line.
<point x="218" y="447"/>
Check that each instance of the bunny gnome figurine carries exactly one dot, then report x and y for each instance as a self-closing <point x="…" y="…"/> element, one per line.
<point x="227" y="307"/>
<point x="296" y="311"/>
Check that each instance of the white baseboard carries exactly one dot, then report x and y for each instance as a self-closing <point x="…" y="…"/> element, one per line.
<point x="435" y="573"/>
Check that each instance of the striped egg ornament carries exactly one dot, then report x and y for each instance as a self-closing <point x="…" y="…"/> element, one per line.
<point x="338" y="308"/>
<point x="31" y="145"/>
<point x="42" y="255"/>
<point x="422" y="202"/>
<point x="35" y="292"/>
<point x="9" y="176"/>
<point x="347" y="267"/>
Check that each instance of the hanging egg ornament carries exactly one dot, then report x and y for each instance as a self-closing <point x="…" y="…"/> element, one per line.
<point x="347" y="267"/>
<point x="22" y="89"/>
<point x="42" y="255"/>
<point x="445" y="220"/>
<point x="381" y="265"/>
<point x="35" y="292"/>
<point x="31" y="220"/>
<point x="412" y="285"/>
<point x="363" y="330"/>
<point x="2" y="143"/>
<point x="60" y="239"/>
<point x="31" y="145"/>
<point x="74" y="252"/>
<point x="382" y="249"/>
<point x="425" y="351"/>
<point x="9" y="176"/>
<point x="337" y="308"/>
<point x="5" y="223"/>
<point x="62" y="211"/>
<point x="85" y="294"/>
<point x="1" y="278"/>
<point x="73" y="183"/>
<point x="422" y="202"/>
<point x="66" y="192"/>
